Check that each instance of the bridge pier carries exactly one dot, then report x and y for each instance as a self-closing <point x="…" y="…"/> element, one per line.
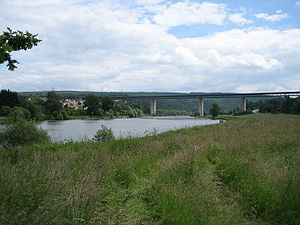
<point x="201" y="106"/>
<point x="153" y="106"/>
<point x="243" y="104"/>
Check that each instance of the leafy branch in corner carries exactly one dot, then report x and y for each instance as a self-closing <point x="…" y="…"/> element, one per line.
<point x="14" y="41"/>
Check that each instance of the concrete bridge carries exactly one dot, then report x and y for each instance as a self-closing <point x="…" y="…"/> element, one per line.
<point x="202" y="96"/>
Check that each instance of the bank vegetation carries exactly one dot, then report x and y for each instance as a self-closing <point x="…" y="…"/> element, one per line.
<point x="244" y="171"/>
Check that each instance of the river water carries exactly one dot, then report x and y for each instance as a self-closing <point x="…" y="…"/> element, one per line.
<point x="78" y="130"/>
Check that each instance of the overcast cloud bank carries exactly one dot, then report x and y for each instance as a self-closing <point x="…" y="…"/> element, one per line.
<point x="118" y="45"/>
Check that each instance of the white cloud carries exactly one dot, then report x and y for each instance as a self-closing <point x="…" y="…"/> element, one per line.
<point x="297" y="4"/>
<point x="86" y="47"/>
<point x="257" y="87"/>
<point x="149" y="1"/>
<point x="38" y="2"/>
<point x="273" y="18"/>
<point x="188" y="13"/>
<point x="187" y="57"/>
<point x="238" y="18"/>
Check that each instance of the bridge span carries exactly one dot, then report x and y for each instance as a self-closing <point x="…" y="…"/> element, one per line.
<point x="202" y="96"/>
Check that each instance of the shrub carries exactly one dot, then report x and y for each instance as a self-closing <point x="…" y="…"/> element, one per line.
<point x="16" y="115"/>
<point x="23" y="132"/>
<point x="57" y="115"/>
<point x="131" y="113"/>
<point x="37" y="112"/>
<point x="104" y="134"/>
<point x="19" y="113"/>
<point x="139" y="112"/>
<point x="5" y="110"/>
<point x="65" y="115"/>
<point x="196" y="114"/>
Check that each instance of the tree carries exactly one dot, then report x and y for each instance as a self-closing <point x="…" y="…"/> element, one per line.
<point x="215" y="110"/>
<point x="286" y="106"/>
<point x="19" y="113"/>
<point x="5" y="110"/>
<point x="8" y="98"/>
<point x="296" y="106"/>
<point x="107" y="103"/>
<point x="93" y="104"/>
<point x="52" y="103"/>
<point x="14" y="41"/>
<point x="34" y="105"/>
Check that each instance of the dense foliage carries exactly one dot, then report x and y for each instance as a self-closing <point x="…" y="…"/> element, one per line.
<point x="277" y="105"/>
<point x="14" y="41"/>
<point x="107" y="103"/>
<point x="51" y="107"/>
<point x="92" y="102"/>
<point x="8" y="98"/>
<point x="22" y="132"/>
<point x="53" y="103"/>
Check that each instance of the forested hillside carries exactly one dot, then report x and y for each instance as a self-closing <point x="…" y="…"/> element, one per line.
<point x="185" y="105"/>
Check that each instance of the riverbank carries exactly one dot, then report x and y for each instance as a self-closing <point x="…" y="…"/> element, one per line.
<point x="239" y="172"/>
<point x="251" y="116"/>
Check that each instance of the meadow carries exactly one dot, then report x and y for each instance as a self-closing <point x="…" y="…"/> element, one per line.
<point x="244" y="171"/>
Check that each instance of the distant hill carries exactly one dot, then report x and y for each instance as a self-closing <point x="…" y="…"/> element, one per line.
<point x="189" y="105"/>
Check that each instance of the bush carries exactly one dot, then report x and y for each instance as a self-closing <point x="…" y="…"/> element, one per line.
<point x="195" y="114"/>
<point x="37" y="112"/>
<point x="57" y="115"/>
<point x="131" y="113"/>
<point x="104" y="134"/>
<point x="65" y="115"/>
<point x="21" y="133"/>
<point x="16" y="115"/>
<point x="5" y="110"/>
<point x="19" y="113"/>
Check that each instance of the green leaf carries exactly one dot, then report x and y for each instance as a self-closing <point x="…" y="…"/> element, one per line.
<point x="7" y="48"/>
<point x="11" y="66"/>
<point x="2" y="56"/>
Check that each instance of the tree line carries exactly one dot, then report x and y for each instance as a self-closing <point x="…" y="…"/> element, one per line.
<point x="277" y="105"/>
<point x="51" y="107"/>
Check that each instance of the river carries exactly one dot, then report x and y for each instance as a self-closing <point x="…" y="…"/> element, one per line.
<point x="78" y="130"/>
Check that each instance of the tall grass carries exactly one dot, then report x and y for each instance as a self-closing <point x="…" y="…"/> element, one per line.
<point x="240" y="172"/>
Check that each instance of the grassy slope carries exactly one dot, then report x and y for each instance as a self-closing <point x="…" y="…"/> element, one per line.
<point x="240" y="172"/>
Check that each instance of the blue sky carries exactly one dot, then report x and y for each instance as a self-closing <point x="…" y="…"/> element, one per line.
<point x="155" y="45"/>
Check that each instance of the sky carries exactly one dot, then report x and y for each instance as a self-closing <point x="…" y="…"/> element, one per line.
<point x="155" y="45"/>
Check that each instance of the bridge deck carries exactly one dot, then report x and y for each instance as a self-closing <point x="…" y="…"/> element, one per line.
<point x="212" y="95"/>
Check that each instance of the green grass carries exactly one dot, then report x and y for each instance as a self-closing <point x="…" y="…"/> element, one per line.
<point x="244" y="171"/>
<point x="268" y="115"/>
